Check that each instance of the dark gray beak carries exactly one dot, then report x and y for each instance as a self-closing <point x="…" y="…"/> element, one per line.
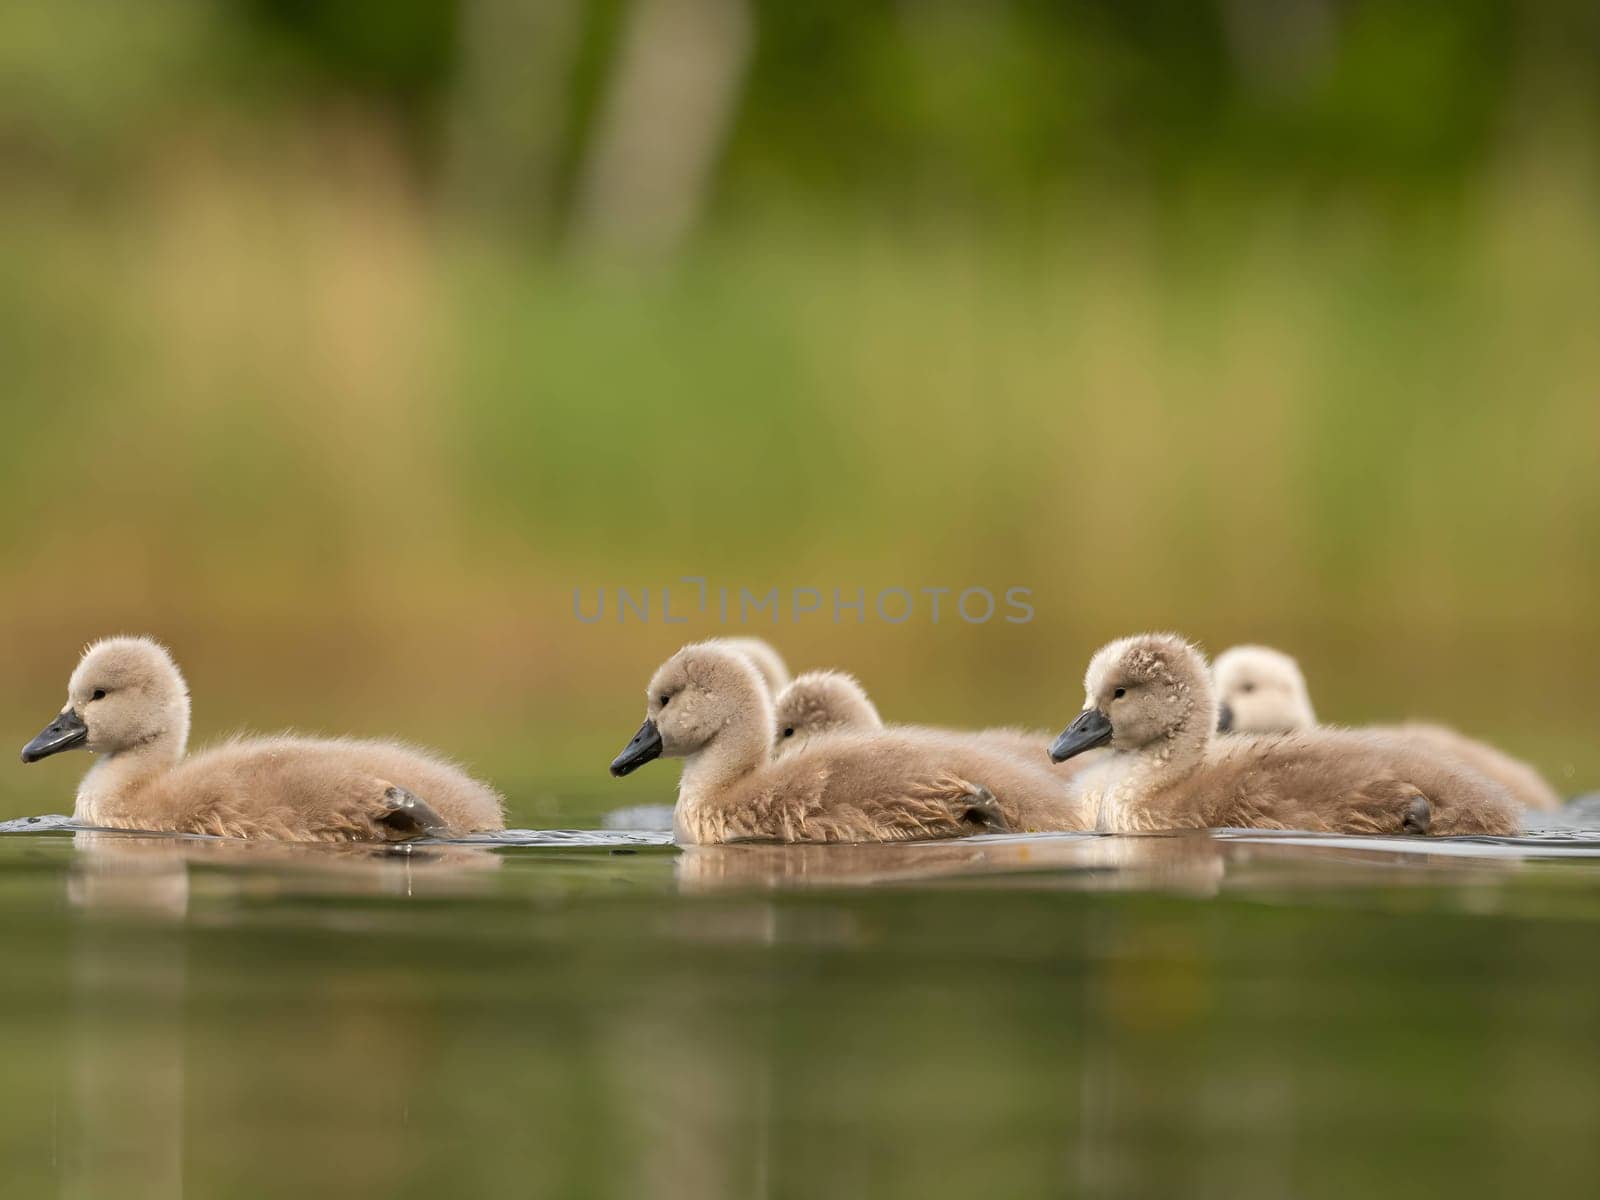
<point x="64" y="733"/>
<point x="646" y="745"/>
<point x="1224" y="717"/>
<point x="1091" y="729"/>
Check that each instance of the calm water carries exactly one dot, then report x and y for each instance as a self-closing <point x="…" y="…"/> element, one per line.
<point x="601" y="1015"/>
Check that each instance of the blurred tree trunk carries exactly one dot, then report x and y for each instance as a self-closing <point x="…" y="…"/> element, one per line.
<point x="507" y="124"/>
<point x="1281" y="46"/>
<point x="667" y="112"/>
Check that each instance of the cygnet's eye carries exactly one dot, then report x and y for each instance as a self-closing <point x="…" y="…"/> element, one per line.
<point x="1119" y="693"/>
<point x="788" y="731"/>
<point x="98" y="694"/>
<point x="664" y="699"/>
<point x="1247" y="686"/>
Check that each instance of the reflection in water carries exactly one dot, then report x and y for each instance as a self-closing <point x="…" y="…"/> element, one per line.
<point x="151" y="872"/>
<point x="1199" y="1014"/>
<point x="125" y="1134"/>
<point x="128" y="871"/>
<point x="1188" y="862"/>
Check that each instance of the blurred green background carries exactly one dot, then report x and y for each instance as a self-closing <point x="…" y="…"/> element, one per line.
<point x="341" y="347"/>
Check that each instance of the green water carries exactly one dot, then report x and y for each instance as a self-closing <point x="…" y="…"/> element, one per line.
<point x="1207" y="1015"/>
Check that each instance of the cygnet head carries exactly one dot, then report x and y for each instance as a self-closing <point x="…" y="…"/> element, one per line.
<point x="1149" y="690"/>
<point x="767" y="661"/>
<point x="694" y="696"/>
<point x="127" y="693"/>
<point x="821" y="702"/>
<point x="1260" y="690"/>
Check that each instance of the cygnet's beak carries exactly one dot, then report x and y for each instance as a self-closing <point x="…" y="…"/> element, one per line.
<point x="645" y="745"/>
<point x="1091" y="729"/>
<point x="1224" y="717"/>
<point x="64" y="733"/>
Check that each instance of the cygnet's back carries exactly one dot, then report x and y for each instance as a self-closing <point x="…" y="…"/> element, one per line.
<point x="820" y="703"/>
<point x="837" y="780"/>
<point x="1261" y="690"/>
<point x="1343" y="781"/>
<point x="295" y="787"/>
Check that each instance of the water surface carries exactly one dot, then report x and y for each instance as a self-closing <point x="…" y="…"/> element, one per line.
<point x="595" y="1013"/>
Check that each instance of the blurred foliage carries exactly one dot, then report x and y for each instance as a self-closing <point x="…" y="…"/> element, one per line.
<point x="1264" y="321"/>
<point x="1000" y="109"/>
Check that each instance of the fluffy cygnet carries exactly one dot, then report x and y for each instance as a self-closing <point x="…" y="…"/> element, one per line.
<point x="826" y="702"/>
<point x="1150" y="700"/>
<point x="819" y="702"/>
<point x="763" y="655"/>
<point x="128" y="704"/>
<point x="707" y="705"/>
<point x="1261" y="690"/>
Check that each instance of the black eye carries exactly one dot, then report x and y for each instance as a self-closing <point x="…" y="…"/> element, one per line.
<point x="99" y="694"/>
<point x="789" y="732"/>
<point x="1119" y="693"/>
<point x="1247" y="687"/>
<point x="664" y="700"/>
